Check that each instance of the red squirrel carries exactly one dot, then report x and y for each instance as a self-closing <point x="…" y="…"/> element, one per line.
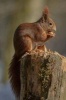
<point x="27" y="37"/>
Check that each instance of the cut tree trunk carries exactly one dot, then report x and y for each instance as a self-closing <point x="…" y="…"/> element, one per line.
<point x="42" y="76"/>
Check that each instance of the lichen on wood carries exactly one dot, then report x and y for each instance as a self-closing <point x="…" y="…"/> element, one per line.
<point x="41" y="76"/>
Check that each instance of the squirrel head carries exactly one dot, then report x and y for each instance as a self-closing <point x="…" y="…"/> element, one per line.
<point x="47" y="23"/>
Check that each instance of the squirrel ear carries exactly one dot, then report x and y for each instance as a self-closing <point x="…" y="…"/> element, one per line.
<point x="45" y="13"/>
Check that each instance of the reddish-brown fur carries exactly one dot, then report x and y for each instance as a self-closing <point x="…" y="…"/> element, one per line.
<point x="25" y="38"/>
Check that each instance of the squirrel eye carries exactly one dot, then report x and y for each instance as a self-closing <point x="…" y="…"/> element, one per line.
<point x="50" y="23"/>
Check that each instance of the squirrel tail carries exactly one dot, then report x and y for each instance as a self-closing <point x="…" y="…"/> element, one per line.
<point x="14" y="74"/>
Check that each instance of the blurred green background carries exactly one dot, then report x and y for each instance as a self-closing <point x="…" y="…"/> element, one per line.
<point x="15" y="12"/>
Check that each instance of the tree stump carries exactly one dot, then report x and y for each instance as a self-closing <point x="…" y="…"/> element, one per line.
<point x="42" y="76"/>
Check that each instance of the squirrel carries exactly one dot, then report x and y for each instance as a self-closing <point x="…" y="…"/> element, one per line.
<point x="27" y="37"/>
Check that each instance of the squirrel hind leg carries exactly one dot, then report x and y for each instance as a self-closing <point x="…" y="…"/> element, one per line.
<point x="27" y="44"/>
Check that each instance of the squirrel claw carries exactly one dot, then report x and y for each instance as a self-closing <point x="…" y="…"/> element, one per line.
<point x="25" y="54"/>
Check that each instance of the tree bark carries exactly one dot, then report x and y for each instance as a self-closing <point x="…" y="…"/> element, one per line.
<point x="42" y="76"/>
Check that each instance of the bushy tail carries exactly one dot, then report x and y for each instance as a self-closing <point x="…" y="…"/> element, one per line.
<point x="14" y="75"/>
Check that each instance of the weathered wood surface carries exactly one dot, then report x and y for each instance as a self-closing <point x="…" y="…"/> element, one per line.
<point x="43" y="76"/>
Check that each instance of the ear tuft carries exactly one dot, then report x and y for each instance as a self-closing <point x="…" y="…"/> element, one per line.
<point x="46" y="10"/>
<point x="45" y="13"/>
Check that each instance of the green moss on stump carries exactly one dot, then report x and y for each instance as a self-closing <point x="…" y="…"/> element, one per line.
<point x="37" y="75"/>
